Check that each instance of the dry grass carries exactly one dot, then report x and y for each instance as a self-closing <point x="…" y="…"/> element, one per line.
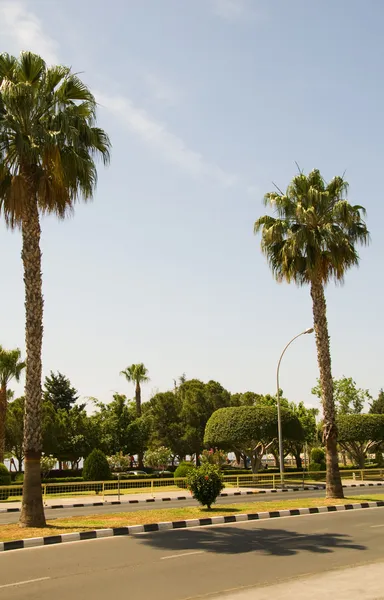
<point x="100" y="521"/>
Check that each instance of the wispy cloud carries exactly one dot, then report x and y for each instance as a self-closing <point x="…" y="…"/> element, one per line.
<point x="25" y="30"/>
<point x="169" y="146"/>
<point x="161" y="90"/>
<point x="232" y="10"/>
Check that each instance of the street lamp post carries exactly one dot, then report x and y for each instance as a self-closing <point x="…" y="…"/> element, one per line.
<point x="280" y="431"/>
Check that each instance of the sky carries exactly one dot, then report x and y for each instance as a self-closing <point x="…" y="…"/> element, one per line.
<point x="207" y="104"/>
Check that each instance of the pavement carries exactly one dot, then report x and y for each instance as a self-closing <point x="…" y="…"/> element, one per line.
<point x="340" y="553"/>
<point x="231" y="499"/>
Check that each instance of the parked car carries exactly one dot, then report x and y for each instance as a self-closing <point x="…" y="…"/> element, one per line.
<point x="137" y="473"/>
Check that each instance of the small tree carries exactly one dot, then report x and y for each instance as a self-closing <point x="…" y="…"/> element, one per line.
<point x="119" y="462"/>
<point x="250" y="430"/>
<point x="59" y="391"/>
<point x="47" y="463"/>
<point x="96" y="467"/>
<point x="205" y="483"/>
<point x="213" y="457"/>
<point x="158" y="458"/>
<point x="360" y="434"/>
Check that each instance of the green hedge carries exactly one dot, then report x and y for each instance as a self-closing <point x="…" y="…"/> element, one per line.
<point x="5" y="479"/>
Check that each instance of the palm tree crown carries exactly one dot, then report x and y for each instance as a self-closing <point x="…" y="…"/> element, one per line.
<point x="11" y="366"/>
<point x="315" y="232"/>
<point x="48" y="137"/>
<point x="136" y="373"/>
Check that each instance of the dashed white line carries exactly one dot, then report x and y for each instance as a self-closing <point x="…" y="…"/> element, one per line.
<point x="8" y="585"/>
<point x="182" y="554"/>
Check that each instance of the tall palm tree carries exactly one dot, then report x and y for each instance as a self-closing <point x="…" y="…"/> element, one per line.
<point x="48" y="145"/>
<point x="312" y="240"/>
<point x="136" y="374"/>
<point x="11" y="367"/>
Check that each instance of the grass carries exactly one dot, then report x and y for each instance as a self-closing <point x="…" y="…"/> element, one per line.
<point x="100" y="521"/>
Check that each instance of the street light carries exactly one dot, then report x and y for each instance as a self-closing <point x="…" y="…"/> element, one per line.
<point x="280" y="432"/>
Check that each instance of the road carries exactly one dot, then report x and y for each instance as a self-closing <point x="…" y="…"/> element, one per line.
<point x="108" y="509"/>
<point x="195" y="563"/>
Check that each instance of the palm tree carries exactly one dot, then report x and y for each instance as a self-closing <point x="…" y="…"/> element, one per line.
<point x="137" y="374"/>
<point x="11" y="367"/>
<point x="312" y="240"/>
<point x="48" y="146"/>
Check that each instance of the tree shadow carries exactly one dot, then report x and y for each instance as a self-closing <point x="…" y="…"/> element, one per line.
<point x="233" y="540"/>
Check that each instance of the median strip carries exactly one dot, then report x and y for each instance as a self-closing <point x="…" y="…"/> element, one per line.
<point x="169" y="498"/>
<point x="145" y="525"/>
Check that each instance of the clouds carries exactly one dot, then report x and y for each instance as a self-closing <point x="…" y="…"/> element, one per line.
<point x="232" y="10"/>
<point x="161" y="90"/>
<point x="25" y="30"/>
<point x="160" y="139"/>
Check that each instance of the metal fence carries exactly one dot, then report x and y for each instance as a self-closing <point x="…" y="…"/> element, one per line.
<point x="105" y="490"/>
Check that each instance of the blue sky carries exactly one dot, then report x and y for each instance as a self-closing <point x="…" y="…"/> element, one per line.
<point x="206" y="103"/>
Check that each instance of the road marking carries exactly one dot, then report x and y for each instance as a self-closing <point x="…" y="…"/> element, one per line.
<point x="375" y="526"/>
<point x="182" y="554"/>
<point x="8" y="585"/>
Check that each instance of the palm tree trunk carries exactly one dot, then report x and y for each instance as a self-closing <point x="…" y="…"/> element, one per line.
<point x="32" y="511"/>
<point x="140" y="455"/>
<point x="3" y="414"/>
<point x="334" y="487"/>
<point x="138" y="399"/>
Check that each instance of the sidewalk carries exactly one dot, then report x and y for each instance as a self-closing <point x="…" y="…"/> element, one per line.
<point x="167" y="496"/>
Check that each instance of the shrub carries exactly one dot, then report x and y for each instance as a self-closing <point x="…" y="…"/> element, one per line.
<point x="96" y="467"/>
<point x="214" y="457"/>
<point x="314" y="466"/>
<point x="317" y="455"/>
<point x="205" y="483"/>
<point x="47" y="462"/>
<point x="158" y="458"/>
<point x="183" y="469"/>
<point x="119" y="462"/>
<point x="5" y="479"/>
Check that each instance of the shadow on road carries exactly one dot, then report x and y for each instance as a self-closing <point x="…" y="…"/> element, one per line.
<point x="231" y="540"/>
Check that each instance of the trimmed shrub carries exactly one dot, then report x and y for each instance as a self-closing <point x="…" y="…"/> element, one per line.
<point x="317" y="455"/>
<point x="205" y="483"/>
<point x="96" y="467"/>
<point x="5" y="479"/>
<point x="183" y="469"/>
<point x="314" y="466"/>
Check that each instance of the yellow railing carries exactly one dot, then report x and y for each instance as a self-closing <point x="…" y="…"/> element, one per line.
<point x="103" y="490"/>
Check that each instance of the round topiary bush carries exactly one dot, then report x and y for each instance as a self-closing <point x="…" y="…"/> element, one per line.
<point x="317" y="455"/>
<point x="5" y="479"/>
<point x="182" y="471"/>
<point x="314" y="467"/>
<point x="205" y="483"/>
<point x="96" y="467"/>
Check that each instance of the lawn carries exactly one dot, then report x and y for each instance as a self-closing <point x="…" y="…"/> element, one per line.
<point x="100" y="521"/>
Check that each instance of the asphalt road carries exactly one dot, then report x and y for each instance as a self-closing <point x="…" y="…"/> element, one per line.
<point x="108" y="509"/>
<point x="197" y="563"/>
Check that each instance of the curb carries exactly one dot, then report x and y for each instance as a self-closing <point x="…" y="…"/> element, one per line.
<point x="223" y="495"/>
<point x="146" y="500"/>
<point x="152" y="527"/>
